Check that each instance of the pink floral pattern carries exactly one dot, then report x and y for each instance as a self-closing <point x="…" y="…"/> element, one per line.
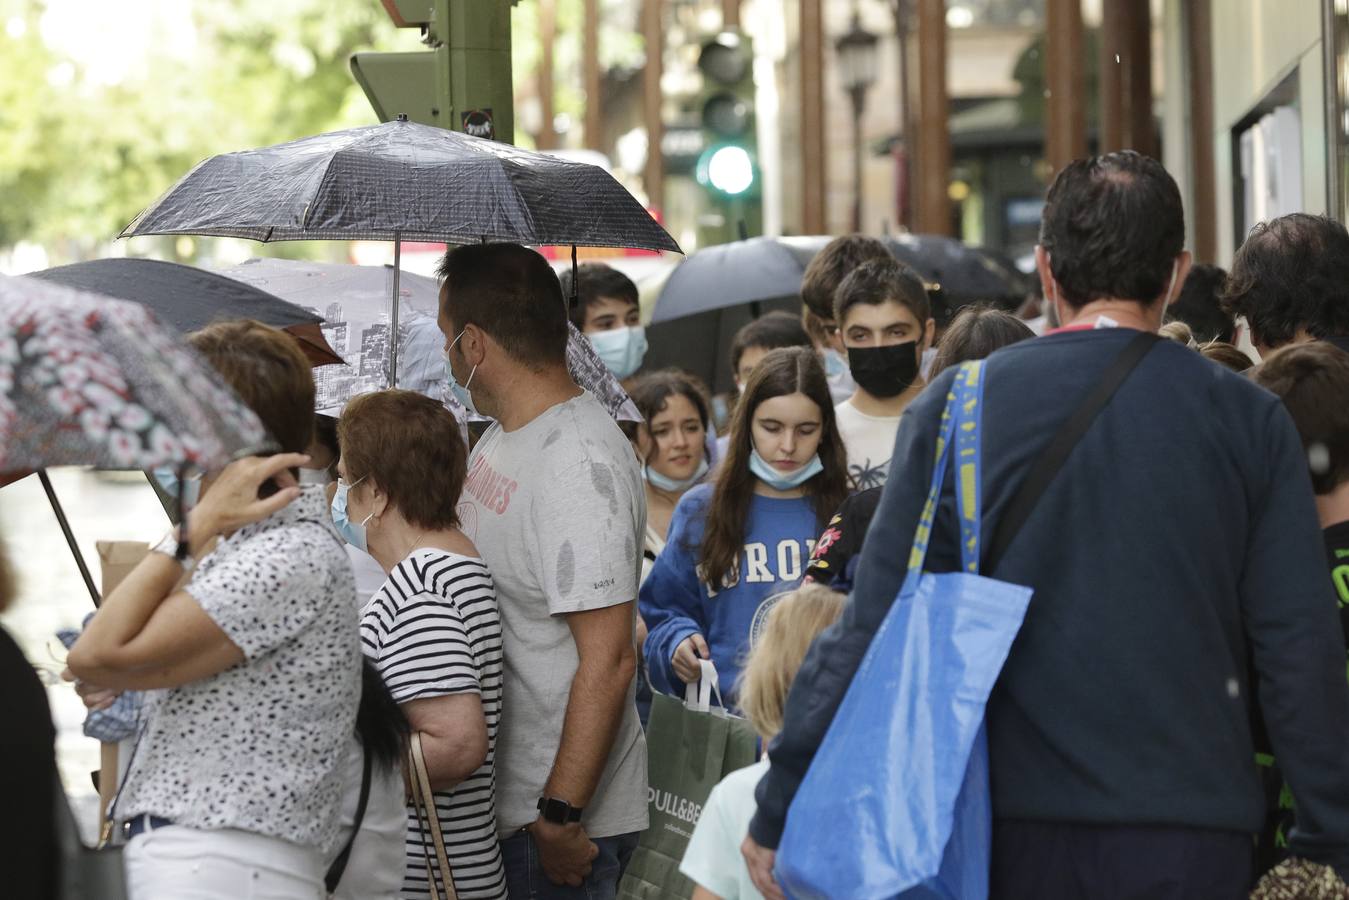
<point x="828" y="539"/>
<point x="85" y="380"/>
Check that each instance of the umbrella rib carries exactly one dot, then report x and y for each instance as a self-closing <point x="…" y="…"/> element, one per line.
<point x="318" y="192"/>
<point x="129" y="230"/>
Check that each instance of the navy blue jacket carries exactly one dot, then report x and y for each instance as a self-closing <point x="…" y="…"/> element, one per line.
<point x="1178" y="544"/>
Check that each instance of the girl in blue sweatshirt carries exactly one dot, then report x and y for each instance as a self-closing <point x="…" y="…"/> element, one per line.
<point x="747" y="537"/>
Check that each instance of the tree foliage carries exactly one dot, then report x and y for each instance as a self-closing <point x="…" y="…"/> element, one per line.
<point x="81" y="154"/>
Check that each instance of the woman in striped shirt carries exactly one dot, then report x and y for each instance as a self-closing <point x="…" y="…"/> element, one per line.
<point x="433" y="629"/>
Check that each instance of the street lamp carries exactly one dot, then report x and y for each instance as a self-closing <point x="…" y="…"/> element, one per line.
<point x="856" y="50"/>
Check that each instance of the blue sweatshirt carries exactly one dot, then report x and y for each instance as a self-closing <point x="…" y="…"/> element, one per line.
<point x="675" y="603"/>
<point x="1178" y="545"/>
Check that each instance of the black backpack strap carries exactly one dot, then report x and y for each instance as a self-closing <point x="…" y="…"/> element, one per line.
<point x="334" y="875"/>
<point x="1056" y="452"/>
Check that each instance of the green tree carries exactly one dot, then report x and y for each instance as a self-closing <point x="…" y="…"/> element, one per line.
<point x="79" y="158"/>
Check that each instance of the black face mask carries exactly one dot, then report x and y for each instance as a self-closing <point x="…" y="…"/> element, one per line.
<point x="884" y="371"/>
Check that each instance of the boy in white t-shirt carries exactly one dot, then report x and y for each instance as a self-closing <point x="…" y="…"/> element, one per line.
<point x="712" y="860"/>
<point x="885" y="323"/>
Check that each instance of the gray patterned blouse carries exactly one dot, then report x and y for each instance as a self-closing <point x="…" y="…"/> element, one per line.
<point x="260" y="746"/>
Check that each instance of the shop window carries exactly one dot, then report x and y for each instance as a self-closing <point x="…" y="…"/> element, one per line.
<point x="1267" y="160"/>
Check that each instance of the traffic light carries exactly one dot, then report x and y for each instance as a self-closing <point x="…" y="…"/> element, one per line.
<point x="463" y="82"/>
<point x="728" y="165"/>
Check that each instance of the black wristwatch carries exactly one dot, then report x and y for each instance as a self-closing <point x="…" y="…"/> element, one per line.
<point x="559" y="812"/>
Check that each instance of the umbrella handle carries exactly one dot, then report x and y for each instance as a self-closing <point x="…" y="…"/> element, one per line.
<point x="393" y="328"/>
<point x="70" y="535"/>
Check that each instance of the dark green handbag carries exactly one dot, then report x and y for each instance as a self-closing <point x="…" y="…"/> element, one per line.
<point x="691" y="746"/>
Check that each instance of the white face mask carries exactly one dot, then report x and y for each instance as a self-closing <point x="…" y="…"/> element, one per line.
<point x="352" y="532"/>
<point x="622" y="349"/>
<point x="460" y="391"/>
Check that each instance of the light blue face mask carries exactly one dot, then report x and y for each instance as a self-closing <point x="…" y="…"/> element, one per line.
<point x="168" y="481"/>
<point x="352" y="532"/>
<point x="835" y="363"/>
<point x="664" y="483"/>
<point x="458" y="391"/>
<point x="760" y="469"/>
<point x="622" y="349"/>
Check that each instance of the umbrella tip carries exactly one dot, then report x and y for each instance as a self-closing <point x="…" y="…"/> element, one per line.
<point x="401" y="117"/>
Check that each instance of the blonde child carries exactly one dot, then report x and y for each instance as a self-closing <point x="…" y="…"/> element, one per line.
<point x="712" y="860"/>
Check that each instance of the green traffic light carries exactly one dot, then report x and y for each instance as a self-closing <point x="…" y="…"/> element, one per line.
<point x="728" y="169"/>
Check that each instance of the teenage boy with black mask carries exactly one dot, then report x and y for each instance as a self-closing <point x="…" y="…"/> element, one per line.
<point x="819" y="284"/>
<point x="885" y="322"/>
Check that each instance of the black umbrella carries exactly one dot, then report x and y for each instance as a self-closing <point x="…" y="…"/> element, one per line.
<point x="402" y="181"/>
<point x="962" y="273"/>
<point x="740" y="272"/>
<point x="701" y="343"/>
<point x="966" y="274"/>
<point x="762" y="269"/>
<point x="189" y="298"/>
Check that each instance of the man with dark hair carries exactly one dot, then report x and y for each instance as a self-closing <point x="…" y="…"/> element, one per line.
<point x="819" y="283"/>
<point x="554" y="502"/>
<point x="1290" y="279"/>
<point x="885" y="321"/>
<point x="1120" y="748"/>
<point x="607" y="312"/>
<point x="1200" y="305"/>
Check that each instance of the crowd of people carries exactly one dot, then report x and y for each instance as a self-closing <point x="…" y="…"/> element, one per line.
<point x="529" y="591"/>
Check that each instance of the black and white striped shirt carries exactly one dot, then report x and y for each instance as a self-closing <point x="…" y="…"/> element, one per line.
<point x="432" y="630"/>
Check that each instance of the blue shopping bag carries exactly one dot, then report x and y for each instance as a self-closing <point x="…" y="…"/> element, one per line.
<point x="896" y="802"/>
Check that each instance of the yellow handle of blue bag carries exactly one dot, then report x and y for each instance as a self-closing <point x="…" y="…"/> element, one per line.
<point x="959" y="429"/>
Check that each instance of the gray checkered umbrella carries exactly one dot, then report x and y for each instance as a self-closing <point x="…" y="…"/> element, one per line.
<point x="401" y="181"/>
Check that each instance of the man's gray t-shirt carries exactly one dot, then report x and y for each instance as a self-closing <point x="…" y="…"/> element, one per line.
<point x="557" y="510"/>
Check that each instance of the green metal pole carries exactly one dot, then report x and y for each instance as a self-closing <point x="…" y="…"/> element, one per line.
<point x="473" y="65"/>
<point x="463" y="82"/>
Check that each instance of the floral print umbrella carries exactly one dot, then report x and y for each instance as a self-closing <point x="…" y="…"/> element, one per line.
<point x="89" y="381"/>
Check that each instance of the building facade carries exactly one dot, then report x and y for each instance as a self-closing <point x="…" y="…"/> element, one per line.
<point x="1272" y="136"/>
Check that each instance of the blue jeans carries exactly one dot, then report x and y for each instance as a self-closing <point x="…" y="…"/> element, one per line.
<point x="525" y="879"/>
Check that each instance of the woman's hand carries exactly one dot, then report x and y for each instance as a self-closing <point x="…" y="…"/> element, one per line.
<point x="232" y="500"/>
<point x="686" y="656"/>
<point x="95" y="697"/>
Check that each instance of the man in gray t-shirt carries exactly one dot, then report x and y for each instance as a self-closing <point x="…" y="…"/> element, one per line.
<point x="554" y="503"/>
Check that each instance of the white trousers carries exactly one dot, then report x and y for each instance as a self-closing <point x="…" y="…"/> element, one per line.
<point x="180" y="863"/>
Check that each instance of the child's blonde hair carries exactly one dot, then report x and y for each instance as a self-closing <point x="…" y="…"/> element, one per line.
<point x="790" y="627"/>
